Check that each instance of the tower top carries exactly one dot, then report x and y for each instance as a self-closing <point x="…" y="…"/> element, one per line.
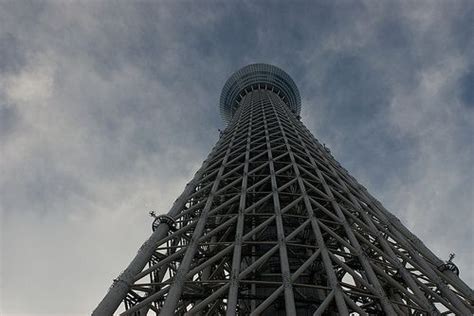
<point x="251" y="77"/>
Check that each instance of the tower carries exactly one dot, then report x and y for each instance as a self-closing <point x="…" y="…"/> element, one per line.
<point x="272" y="224"/>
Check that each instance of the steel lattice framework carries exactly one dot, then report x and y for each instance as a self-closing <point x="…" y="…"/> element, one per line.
<point x="272" y="224"/>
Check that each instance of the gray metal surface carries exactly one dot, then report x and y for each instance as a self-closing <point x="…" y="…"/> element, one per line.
<point x="273" y="225"/>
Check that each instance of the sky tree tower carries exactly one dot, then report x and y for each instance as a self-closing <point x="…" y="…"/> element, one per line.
<point x="272" y="224"/>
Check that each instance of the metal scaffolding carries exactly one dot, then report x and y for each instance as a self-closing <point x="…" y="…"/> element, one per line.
<point x="272" y="224"/>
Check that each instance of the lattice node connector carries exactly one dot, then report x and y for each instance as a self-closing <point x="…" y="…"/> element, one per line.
<point x="449" y="266"/>
<point x="164" y="219"/>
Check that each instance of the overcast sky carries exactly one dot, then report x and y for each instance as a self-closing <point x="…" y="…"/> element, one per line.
<point x="108" y="108"/>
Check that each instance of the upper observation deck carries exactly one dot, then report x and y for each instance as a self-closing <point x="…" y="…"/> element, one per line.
<point x="258" y="76"/>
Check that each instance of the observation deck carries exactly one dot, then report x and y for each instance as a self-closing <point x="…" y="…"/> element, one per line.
<point x="258" y="76"/>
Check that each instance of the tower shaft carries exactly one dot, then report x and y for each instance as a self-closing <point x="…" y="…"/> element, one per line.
<point x="273" y="225"/>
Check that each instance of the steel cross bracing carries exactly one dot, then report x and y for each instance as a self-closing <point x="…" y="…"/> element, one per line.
<point x="273" y="225"/>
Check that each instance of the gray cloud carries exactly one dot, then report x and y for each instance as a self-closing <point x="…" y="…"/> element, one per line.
<point x="107" y="110"/>
<point x="466" y="92"/>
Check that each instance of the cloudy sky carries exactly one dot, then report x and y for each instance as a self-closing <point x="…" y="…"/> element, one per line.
<point x="108" y="108"/>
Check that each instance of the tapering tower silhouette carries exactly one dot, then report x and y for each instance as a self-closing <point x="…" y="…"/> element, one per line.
<point x="272" y="224"/>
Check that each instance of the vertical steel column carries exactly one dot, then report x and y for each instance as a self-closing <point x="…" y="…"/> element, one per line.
<point x="119" y="289"/>
<point x="285" y="269"/>
<point x="236" y="258"/>
<point x="322" y="245"/>
<point x="387" y="248"/>
<point x="372" y="277"/>
<point x="177" y="287"/>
